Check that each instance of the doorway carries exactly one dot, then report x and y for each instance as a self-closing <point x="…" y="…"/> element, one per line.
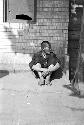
<point x="74" y="30"/>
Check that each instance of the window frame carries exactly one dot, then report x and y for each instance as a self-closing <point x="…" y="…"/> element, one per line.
<point x="5" y="13"/>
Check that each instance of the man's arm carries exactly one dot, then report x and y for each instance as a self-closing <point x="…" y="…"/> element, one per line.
<point x="53" y="68"/>
<point x="38" y="68"/>
<point x="50" y="69"/>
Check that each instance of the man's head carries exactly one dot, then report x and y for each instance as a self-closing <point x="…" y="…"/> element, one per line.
<point x="46" y="46"/>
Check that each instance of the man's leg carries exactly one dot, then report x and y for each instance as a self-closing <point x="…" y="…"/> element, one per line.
<point x="47" y="79"/>
<point x="41" y="80"/>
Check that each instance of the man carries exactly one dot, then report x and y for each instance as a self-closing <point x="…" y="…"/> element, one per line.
<point x="44" y="63"/>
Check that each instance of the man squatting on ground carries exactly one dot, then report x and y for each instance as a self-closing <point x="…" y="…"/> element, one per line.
<point x="44" y="63"/>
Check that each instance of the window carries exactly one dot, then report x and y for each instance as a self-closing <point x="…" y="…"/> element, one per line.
<point x="19" y="11"/>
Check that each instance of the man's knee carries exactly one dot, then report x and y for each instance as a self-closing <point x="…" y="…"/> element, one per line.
<point x="38" y="65"/>
<point x="51" y="66"/>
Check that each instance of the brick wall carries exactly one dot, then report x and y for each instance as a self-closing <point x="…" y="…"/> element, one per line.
<point x="19" y="41"/>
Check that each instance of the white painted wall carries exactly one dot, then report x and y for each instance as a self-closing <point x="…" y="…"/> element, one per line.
<point x="8" y="59"/>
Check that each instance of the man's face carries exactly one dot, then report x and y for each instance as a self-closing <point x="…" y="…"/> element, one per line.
<point x="46" y="50"/>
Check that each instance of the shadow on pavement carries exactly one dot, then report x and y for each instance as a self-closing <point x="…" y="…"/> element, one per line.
<point x="74" y="93"/>
<point x="75" y="109"/>
<point x="77" y="95"/>
<point x="4" y="73"/>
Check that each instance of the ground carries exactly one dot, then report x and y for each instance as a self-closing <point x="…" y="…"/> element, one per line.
<point x="23" y="102"/>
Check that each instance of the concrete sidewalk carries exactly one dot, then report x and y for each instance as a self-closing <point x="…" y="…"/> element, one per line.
<point x="23" y="102"/>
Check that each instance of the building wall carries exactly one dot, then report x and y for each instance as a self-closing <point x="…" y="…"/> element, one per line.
<point x="19" y="41"/>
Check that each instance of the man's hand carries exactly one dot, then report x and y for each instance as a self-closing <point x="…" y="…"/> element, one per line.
<point x="45" y="73"/>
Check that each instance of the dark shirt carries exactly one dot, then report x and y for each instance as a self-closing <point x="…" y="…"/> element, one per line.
<point x="45" y="62"/>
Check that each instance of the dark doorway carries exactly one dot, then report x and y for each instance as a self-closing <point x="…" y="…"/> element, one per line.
<point x="75" y="16"/>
